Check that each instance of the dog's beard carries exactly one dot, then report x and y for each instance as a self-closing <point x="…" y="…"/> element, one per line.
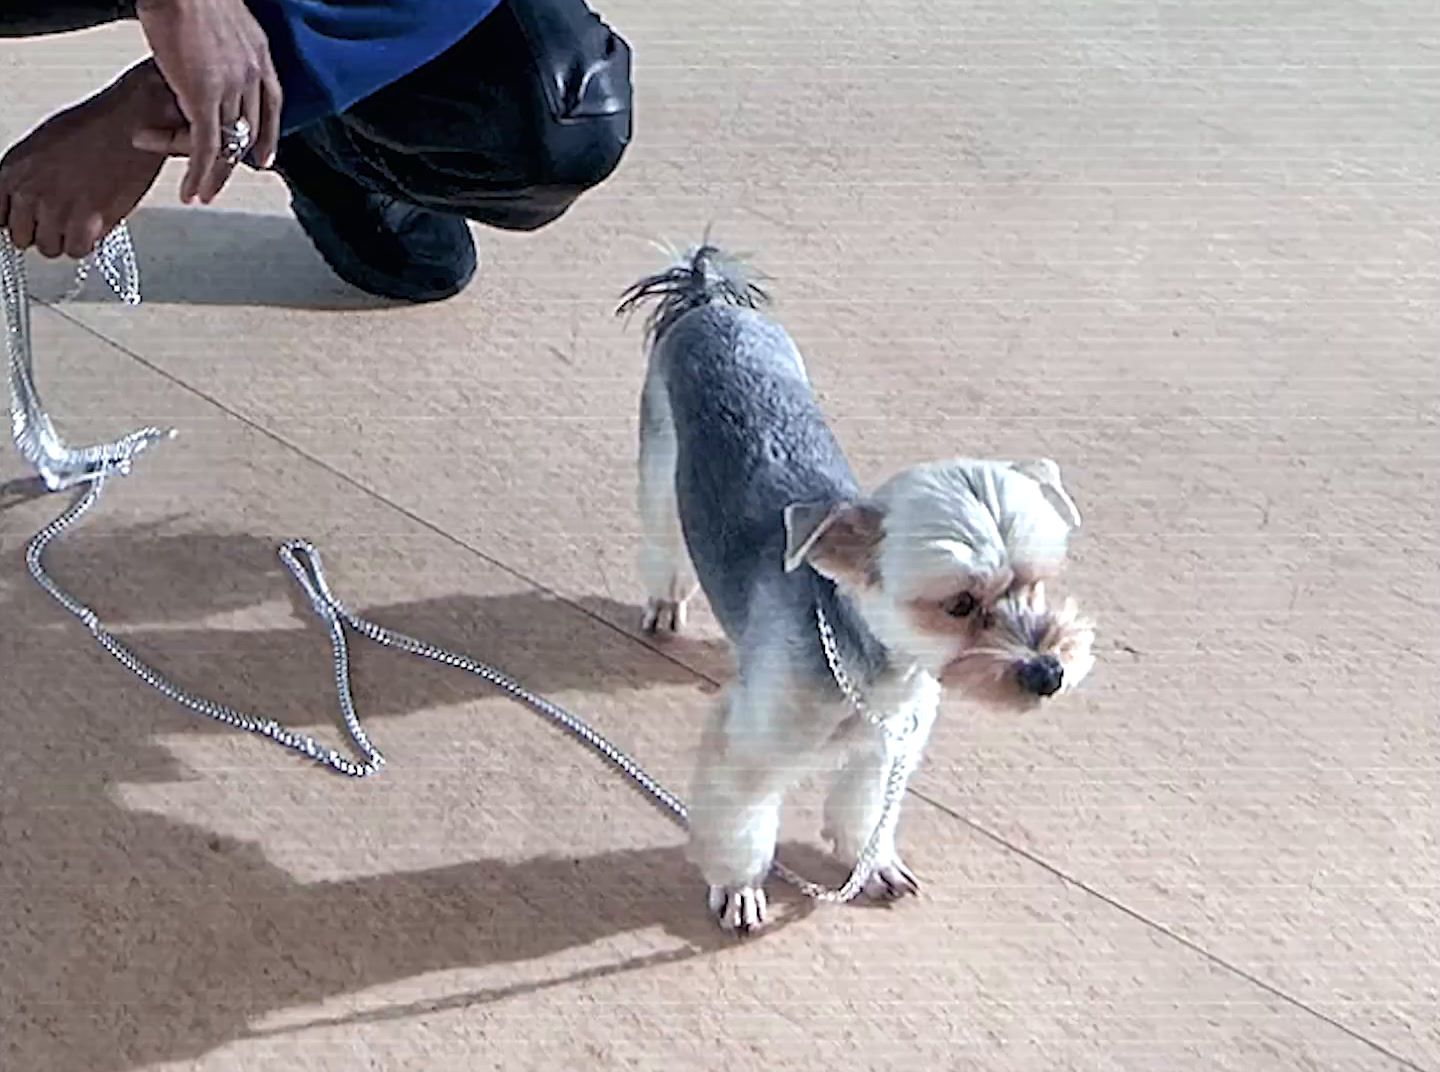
<point x="1022" y="626"/>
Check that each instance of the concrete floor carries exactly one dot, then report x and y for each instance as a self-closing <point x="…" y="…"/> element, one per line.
<point x="1188" y="250"/>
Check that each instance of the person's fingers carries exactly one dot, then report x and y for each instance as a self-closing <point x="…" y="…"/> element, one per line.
<point x="163" y="142"/>
<point x="22" y="221"/>
<point x="204" y="148"/>
<point x="267" y="139"/>
<point x="267" y="136"/>
<point x="83" y="234"/>
<point x="49" y="232"/>
<point x="221" y="167"/>
<point x="251" y="109"/>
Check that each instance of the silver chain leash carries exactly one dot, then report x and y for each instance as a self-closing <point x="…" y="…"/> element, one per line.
<point x="903" y="746"/>
<point x="58" y="465"/>
<point x="88" y="469"/>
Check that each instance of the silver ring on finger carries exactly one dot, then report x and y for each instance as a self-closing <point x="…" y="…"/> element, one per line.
<point x="238" y="138"/>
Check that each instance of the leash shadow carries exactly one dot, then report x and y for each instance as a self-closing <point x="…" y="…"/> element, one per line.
<point x="160" y="590"/>
<point x="20" y="491"/>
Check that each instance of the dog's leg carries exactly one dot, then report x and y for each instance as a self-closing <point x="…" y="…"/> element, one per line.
<point x="852" y="810"/>
<point x="748" y="759"/>
<point x="664" y="565"/>
<point x="855" y="805"/>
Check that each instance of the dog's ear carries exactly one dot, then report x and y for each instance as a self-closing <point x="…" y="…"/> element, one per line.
<point x="804" y="524"/>
<point x="837" y="539"/>
<point x="1046" y="473"/>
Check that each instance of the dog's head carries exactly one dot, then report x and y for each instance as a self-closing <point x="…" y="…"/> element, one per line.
<point x="947" y="563"/>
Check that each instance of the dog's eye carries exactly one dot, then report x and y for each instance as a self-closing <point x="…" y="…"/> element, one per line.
<point x="962" y="606"/>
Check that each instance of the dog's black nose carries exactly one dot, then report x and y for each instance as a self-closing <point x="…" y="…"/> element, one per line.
<point x="1042" y="676"/>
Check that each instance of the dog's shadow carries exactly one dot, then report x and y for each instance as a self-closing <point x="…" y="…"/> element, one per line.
<point x="185" y="941"/>
<point x="189" y="942"/>
<point x="211" y="256"/>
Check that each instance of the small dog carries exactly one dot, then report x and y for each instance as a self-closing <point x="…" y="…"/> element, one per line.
<point x="937" y="578"/>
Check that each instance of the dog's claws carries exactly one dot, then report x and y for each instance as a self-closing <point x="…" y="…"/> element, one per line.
<point x="663" y="616"/>
<point x="891" y="882"/>
<point x="739" y="911"/>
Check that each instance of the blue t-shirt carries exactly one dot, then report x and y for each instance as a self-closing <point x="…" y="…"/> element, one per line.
<point x="329" y="54"/>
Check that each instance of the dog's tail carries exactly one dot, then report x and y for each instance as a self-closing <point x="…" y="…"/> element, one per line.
<point x="704" y="275"/>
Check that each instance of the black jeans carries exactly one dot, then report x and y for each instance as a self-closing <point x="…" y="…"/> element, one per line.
<point x="35" y="18"/>
<point x="507" y="128"/>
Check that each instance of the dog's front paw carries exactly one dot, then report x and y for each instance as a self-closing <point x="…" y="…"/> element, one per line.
<point x="739" y="910"/>
<point x="664" y="616"/>
<point x="890" y="882"/>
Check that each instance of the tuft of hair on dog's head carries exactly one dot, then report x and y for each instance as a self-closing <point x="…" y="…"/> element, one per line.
<point x="948" y="563"/>
<point x="705" y="274"/>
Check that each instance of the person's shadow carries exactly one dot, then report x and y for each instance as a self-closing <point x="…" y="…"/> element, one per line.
<point x="130" y="938"/>
<point x="213" y="256"/>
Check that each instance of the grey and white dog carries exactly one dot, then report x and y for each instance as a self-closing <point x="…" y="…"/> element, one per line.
<point x="936" y="578"/>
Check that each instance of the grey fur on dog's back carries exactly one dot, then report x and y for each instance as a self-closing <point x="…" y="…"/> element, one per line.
<point x="751" y="440"/>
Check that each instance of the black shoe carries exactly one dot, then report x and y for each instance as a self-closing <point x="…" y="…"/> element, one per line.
<point x="379" y="244"/>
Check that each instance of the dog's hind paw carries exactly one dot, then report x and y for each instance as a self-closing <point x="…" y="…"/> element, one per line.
<point x="891" y="882"/>
<point x="738" y="911"/>
<point x="664" y="616"/>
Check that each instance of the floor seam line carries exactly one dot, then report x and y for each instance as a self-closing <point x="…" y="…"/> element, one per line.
<point x="379" y="497"/>
<point x="1167" y="932"/>
<point x="974" y="825"/>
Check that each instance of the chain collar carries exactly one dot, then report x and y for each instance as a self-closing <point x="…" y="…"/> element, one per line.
<point x="830" y="646"/>
<point x="842" y="677"/>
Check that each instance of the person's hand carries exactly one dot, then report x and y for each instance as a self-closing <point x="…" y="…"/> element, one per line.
<point x="66" y="184"/>
<point x="216" y="59"/>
